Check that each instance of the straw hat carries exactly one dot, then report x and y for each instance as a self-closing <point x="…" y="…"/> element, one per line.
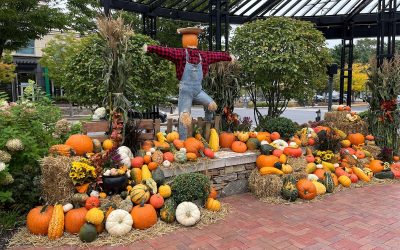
<point x="190" y="30"/>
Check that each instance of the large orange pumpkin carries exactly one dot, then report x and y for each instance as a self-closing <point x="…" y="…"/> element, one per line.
<point x="81" y="144"/>
<point x="226" y="139"/>
<point x="266" y="161"/>
<point x="307" y="190"/>
<point x="38" y="219"/>
<point x="74" y="220"/>
<point x="190" y="40"/>
<point x="356" y="139"/>
<point x="144" y="216"/>
<point x="239" y="147"/>
<point x="193" y="145"/>
<point x="376" y="166"/>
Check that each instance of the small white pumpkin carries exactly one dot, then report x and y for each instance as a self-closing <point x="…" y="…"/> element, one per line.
<point x="119" y="222"/>
<point x="264" y="142"/>
<point x="67" y="207"/>
<point x="148" y="153"/>
<point x="312" y="177"/>
<point x="107" y="172"/>
<point x="187" y="213"/>
<point x="280" y="144"/>
<point x="126" y="154"/>
<point x="95" y="193"/>
<point x="183" y="150"/>
<point x="320" y="166"/>
<point x="336" y="165"/>
<point x="152" y="150"/>
<point x="166" y="163"/>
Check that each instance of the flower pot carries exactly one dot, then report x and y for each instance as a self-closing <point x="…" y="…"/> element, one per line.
<point x="114" y="184"/>
<point x="82" y="188"/>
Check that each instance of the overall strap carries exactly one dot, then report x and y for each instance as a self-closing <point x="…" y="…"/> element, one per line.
<point x="187" y="57"/>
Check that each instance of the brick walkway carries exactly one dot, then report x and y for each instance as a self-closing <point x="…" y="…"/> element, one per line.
<point x="364" y="218"/>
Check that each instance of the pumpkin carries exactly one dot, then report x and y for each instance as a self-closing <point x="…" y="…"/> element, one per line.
<point x="243" y="136"/>
<point x="277" y="152"/>
<point x="328" y="182"/>
<point x="353" y="178"/>
<point x="67" y="207"/>
<point x="79" y="199"/>
<point x="190" y="40"/>
<point x="144" y="216"/>
<point x="310" y="168"/>
<point x="266" y="161"/>
<point x="384" y="175"/>
<point x="193" y="145"/>
<point x="191" y="156"/>
<point x="293" y="152"/>
<point x="92" y="202"/>
<point x="88" y="233"/>
<point x="38" y="219"/>
<point x="100" y="228"/>
<point x="102" y="195"/>
<point x="275" y="136"/>
<point x="95" y="216"/>
<point x="180" y="157"/>
<point x="162" y="146"/>
<point x="267" y="149"/>
<point x="61" y="149"/>
<point x="264" y="136"/>
<point x="152" y="165"/>
<point x="344" y="180"/>
<point x="310" y="158"/>
<point x="270" y="170"/>
<point x="289" y="191"/>
<point x="178" y="144"/>
<point x="395" y="168"/>
<point x="164" y="191"/>
<point x="146" y="174"/>
<point x="370" y="137"/>
<point x="376" y="166"/>
<point x="252" y="144"/>
<point x="147" y="145"/>
<point x="97" y="148"/>
<point x="214" y="140"/>
<point x="213" y="205"/>
<point x="213" y="193"/>
<point x="172" y="136"/>
<point x="81" y="144"/>
<point x="137" y="162"/>
<point x="345" y="143"/>
<point x="360" y="154"/>
<point x="108" y="144"/>
<point x="56" y="225"/>
<point x="119" y="222"/>
<point x="139" y="193"/>
<point x="287" y="169"/>
<point x="136" y="175"/>
<point x="158" y="176"/>
<point x="307" y="190"/>
<point x="167" y="212"/>
<point x="321" y="189"/>
<point x="157" y="157"/>
<point x="335" y="179"/>
<point x="168" y="156"/>
<point x="75" y="219"/>
<point x="125" y="154"/>
<point x="157" y="201"/>
<point x="187" y="214"/>
<point x="226" y="139"/>
<point x="209" y="153"/>
<point x="320" y="173"/>
<point x="356" y="139"/>
<point x="146" y="159"/>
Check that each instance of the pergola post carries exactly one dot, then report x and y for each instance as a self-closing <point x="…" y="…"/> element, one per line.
<point x="218" y="15"/>
<point x="149" y="25"/>
<point x="386" y="42"/>
<point x="346" y="63"/>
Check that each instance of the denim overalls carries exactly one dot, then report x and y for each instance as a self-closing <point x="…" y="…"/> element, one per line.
<point x="190" y="90"/>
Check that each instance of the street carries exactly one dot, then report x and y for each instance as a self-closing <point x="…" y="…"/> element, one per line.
<point x="298" y="114"/>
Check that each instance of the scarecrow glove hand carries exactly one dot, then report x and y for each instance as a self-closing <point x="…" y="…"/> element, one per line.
<point x="145" y="48"/>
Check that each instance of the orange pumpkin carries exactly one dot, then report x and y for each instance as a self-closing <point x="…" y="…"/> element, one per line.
<point x="146" y="159"/>
<point x="264" y="136"/>
<point x="275" y="136"/>
<point x="307" y="190"/>
<point x="81" y="144"/>
<point x="311" y="141"/>
<point x="360" y="154"/>
<point x="147" y="145"/>
<point x="157" y="201"/>
<point x="266" y="161"/>
<point x="38" y="219"/>
<point x="137" y="162"/>
<point x="178" y="144"/>
<point x="320" y="173"/>
<point x="144" y="216"/>
<point x="239" y="147"/>
<point x="193" y="145"/>
<point x="293" y="152"/>
<point x="370" y="137"/>
<point x="191" y="156"/>
<point x="152" y="165"/>
<point x="226" y="139"/>
<point x="376" y="166"/>
<point x="168" y="156"/>
<point x="356" y="139"/>
<point x="310" y="158"/>
<point x="190" y="40"/>
<point x="74" y="220"/>
<point x="213" y="193"/>
<point x="252" y="134"/>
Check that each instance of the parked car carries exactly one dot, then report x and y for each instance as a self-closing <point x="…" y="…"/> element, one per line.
<point x="157" y="115"/>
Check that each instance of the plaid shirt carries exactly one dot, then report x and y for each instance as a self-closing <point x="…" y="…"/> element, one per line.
<point x="178" y="57"/>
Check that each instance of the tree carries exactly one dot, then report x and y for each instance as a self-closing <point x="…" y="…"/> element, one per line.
<point x="7" y="69"/>
<point x="82" y="14"/>
<point x="25" y="20"/>
<point x="282" y="57"/>
<point x="359" y="80"/>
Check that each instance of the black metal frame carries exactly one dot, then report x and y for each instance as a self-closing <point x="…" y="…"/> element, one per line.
<point x="219" y="15"/>
<point x="385" y="47"/>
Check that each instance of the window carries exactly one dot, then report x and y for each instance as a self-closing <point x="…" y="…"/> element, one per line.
<point x="29" y="49"/>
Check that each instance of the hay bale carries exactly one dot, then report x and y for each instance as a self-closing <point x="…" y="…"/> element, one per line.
<point x="299" y="175"/>
<point x="298" y="164"/>
<point x="55" y="182"/>
<point x="263" y="186"/>
<point x="373" y="149"/>
<point x="337" y="119"/>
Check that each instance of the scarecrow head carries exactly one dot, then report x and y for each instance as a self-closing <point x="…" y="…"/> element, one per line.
<point x="190" y="37"/>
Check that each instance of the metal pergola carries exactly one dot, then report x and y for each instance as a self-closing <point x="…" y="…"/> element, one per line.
<point x="337" y="19"/>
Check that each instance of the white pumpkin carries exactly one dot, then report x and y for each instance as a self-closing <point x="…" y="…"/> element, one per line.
<point x="148" y="153"/>
<point x="152" y="150"/>
<point x="126" y="154"/>
<point x="320" y="166"/>
<point x="95" y="193"/>
<point x="166" y="163"/>
<point x="187" y="213"/>
<point x="280" y="144"/>
<point x="312" y="177"/>
<point x="119" y="222"/>
<point x="183" y="150"/>
<point x="67" y="207"/>
<point x="264" y="142"/>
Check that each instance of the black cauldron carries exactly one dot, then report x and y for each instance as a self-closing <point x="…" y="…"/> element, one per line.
<point x="114" y="184"/>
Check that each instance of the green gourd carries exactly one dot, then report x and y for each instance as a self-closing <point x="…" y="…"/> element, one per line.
<point x="289" y="191"/>
<point x="253" y="144"/>
<point x="180" y="157"/>
<point x="266" y="149"/>
<point x="328" y="182"/>
<point x="87" y="233"/>
<point x="167" y="212"/>
<point x="384" y="175"/>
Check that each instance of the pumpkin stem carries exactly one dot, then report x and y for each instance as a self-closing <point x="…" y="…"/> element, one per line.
<point x="142" y="203"/>
<point x="44" y="208"/>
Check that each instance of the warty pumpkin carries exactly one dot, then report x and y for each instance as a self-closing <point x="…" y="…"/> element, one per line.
<point x="289" y="191"/>
<point x="95" y="216"/>
<point x="307" y="190"/>
<point x="92" y="202"/>
<point x="172" y="136"/>
<point x="38" y="219"/>
<point x="62" y="149"/>
<point x="56" y="225"/>
<point x="164" y="191"/>
<point x="144" y="216"/>
<point x="75" y="219"/>
<point x="81" y="144"/>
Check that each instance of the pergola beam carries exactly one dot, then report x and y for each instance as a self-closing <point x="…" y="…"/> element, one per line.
<point x="357" y="10"/>
<point x="266" y="6"/>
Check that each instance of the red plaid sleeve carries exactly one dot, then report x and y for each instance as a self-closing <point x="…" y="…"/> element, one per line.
<point x="171" y="54"/>
<point x="214" y="56"/>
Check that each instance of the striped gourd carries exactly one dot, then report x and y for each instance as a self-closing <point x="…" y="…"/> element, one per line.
<point x="56" y="225"/>
<point x="140" y="193"/>
<point x="328" y="182"/>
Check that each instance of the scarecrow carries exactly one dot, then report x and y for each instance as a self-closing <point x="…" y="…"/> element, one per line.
<point x="191" y="66"/>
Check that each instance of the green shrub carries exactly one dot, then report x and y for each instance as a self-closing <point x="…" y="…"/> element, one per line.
<point x="284" y="126"/>
<point x="192" y="187"/>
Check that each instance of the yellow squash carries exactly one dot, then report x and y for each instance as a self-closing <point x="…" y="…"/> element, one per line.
<point x="146" y="174"/>
<point x="270" y="170"/>
<point x="56" y="225"/>
<point x="214" y="140"/>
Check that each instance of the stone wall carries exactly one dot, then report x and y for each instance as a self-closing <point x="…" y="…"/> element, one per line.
<point x="228" y="173"/>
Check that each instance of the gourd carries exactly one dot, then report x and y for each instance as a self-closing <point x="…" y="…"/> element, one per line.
<point x="320" y="173"/>
<point x="119" y="222"/>
<point x="213" y="205"/>
<point x="139" y="193"/>
<point x="108" y="144"/>
<point x="307" y="190"/>
<point x="137" y="162"/>
<point x="395" y="168"/>
<point x="344" y="180"/>
<point x="126" y="204"/>
<point x="329" y="166"/>
<point x="95" y="216"/>
<point x="263" y="136"/>
<point x="238" y="147"/>
<point x="287" y="169"/>
<point x="266" y="161"/>
<point x="75" y="219"/>
<point x="193" y="145"/>
<point x="178" y="144"/>
<point x="311" y="167"/>
<point x="67" y="207"/>
<point x="328" y="182"/>
<point x="353" y="178"/>
<point x="152" y="165"/>
<point x="335" y="179"/>
<point x="214" y="140"/>
<point x="213" y="193"/>
<point x="126" y="154"/>
<point x="321" y="189"/>
<point x="81" y="144"/>
<point x="180" y="157"/>
<point x="187" y="214"/>
<point x="157" y="201"/>
<point x="275" y="136"/>
<point x="312" y="177"/>
<point x="144" y="216"/>
<point x="209" y="153"/>
<point x="266" y="149"/>
<point x="88" y="233"/>
<point x="158" y="176"/>
<point x="243" y="136"/>
<point x="270" y="170"/>
<point x="92" y="202"/>
<point x="339" y="172"/>
<point x="146" y="174"/>
<point x="79" y="200"/>
<point x="56" y="225"/>
<point x="38" y="219"/>
<point x="164" y="191"/>
<point x="384" y="175"/>
<point x="151" y="184"/>
<point x="252" y="144"/>
<point x="289" y="191"/>
<point x="61" y="149"/>
<point x="280" y="144"/>
<point x="172" y="136"/>
<point x="368" y="172"/>
<point x="158" y="157"/>
<point x="293" y="152"/>
<point x="167" y="212"/>
<point x="191" y="156"/>
<point x="136" y="175"/>
<point x="226" y="139"/>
